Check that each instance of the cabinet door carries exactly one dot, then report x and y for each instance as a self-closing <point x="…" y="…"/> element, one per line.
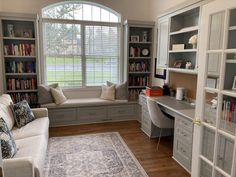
<point x="163" y="40"/>
<point x="214" y="140"/>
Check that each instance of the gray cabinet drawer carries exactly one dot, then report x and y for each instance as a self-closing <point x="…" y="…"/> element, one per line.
<point x="182" y="153"/>
<point x="92" y="113"/>
<point x="184" y="135"/>
<point x="62" y="115"/>
<point x="185" y="123"/>
<point x="121" y="111"/>
<point x="146" y="121"/>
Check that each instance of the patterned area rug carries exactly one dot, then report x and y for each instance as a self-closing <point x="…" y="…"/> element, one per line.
<point x="92" y="155"/>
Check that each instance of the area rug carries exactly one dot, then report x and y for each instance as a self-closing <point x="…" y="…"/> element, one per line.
<point x="92" y="155"/>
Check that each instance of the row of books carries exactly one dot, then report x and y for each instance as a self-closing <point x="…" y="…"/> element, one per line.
<point x="20" y="67"/>
<point x="31" y="98"/>
<point x="134" y="94"/>
<point x="21" y="84"/>
<point x="19" y="49"/>
<point x="229" y="111"/>
<point x="139" y="67"/>
<point x="138" y="80"/>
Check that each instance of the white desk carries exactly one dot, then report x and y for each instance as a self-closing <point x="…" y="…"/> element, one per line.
<point x="184" y="114"/>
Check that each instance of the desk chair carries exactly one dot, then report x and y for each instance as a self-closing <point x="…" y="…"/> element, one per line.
<point x="158" y="118"/>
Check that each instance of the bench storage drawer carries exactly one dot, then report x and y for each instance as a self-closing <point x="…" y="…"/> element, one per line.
<point x="97" y="113"/>
<point x="121" y="111"/>
<point x="62" y="115"/>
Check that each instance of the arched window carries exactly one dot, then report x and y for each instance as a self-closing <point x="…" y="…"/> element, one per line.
<point x="81" y="44"/>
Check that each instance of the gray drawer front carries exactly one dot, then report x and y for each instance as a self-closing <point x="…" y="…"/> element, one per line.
<point x="121" y="111"/>
<point x="184" y="135"/>
<point x="185" y="123"/>
<point x="146" y="121"/>
<point x="182" y="153"/>
<point x="62" y="115"/>
<point x="92" y="113"/>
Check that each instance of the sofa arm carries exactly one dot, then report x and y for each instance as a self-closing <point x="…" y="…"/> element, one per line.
<point x="40" y="112"/>
<point x="18" y="167"/>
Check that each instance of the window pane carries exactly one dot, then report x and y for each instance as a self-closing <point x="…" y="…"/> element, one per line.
<point x="102" y="54"/>
<point x="80" y="11"/>
<point x="63" y="50"/>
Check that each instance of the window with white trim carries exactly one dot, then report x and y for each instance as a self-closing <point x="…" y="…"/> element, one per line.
<point x="81" y="44"/>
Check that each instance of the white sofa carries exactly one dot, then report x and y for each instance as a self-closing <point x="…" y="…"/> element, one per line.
<point x="84" y="106"/>
<point x="31" y="141"/>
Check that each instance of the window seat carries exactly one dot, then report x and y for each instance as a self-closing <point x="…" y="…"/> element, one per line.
<point x="84" y="106"/>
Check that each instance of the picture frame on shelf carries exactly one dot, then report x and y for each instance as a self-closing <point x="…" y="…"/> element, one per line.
<point x="211" y="83"/>
<point x="234" y="84"/>
<point x="134" y="38"/>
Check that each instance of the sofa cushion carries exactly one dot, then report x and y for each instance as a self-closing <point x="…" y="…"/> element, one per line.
<point x="108" y="92"/>
<point x="81" y="102"/>
<point x="44" y="93"/>
<point x="8" y="144"/>
<point x="37" y="127"/>
<point x="36" y="148"/>
<point x="121" y="90"/>
<point x="5" y="110"/>
<point x="22" y="113"/>
<point x="58" y="95"/>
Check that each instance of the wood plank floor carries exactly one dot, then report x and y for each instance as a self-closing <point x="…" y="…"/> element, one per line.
<point x="156" y="163"/>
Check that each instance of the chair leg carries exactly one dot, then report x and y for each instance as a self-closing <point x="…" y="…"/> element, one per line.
<point x="159" y="139"/>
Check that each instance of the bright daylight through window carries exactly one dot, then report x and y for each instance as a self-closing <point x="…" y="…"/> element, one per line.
<point x="81" y="44"/>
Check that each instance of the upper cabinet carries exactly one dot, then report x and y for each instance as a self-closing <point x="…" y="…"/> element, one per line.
<point x="163" y="38"/>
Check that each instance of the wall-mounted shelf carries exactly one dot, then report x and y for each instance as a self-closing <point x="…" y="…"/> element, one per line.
<point x="180" y="70"/>
<point x="14" y="56"/>
<point x="18" y="38"/>
<point x="21" y="74"/>
<point x="183" y="51"/>
<point x="20" y="91"/>
<point x="185" y="30"/>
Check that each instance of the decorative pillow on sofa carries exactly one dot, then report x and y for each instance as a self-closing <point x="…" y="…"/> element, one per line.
<point x="108" y="92"/>
<point x="8" y="144"/>
<point x="58" y="95"/>
<point x="44" y="93"/>
<point x="121" y="90"/>
<point x="22" y="113"/>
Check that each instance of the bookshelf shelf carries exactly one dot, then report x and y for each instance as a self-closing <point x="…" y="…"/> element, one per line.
<point x="15" y="56"/>
<point x="231" y="61"/>
<point x="139" y="72"/>
<point x="18" y="38"/>
<point x="20" y="56"/>
<point x="185" y="30"/>
<point x="183" y="51"/>
<point x="21" y="74"/>
<point x="142" y="58"/>
<point x="136" y="87"/>
<point x="20" y="91"/>
<point x="232" y="28"/>
<point x="230" y="93"/>
<point x="140" y="42"/>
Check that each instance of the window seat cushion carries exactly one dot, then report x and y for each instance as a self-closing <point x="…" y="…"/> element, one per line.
<point x="83" y="102"/>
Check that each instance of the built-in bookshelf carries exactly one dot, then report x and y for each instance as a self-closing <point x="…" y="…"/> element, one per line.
<point x="182" y="49"/>
<point x="138" y="56"/>
<point x="20" y="56"/>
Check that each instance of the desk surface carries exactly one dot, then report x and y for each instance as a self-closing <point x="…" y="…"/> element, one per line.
<point x="180" y="107"/>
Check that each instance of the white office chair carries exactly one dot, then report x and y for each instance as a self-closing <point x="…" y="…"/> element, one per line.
<point x="158" y="118"/>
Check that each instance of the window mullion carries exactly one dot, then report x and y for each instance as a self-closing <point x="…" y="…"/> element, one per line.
<point x="83" y="57"/>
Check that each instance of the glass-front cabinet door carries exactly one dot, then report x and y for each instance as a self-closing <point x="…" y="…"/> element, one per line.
<point x="214" y="148"/>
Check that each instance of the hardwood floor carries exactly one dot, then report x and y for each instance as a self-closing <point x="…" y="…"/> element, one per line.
<point x="156" y="163"/>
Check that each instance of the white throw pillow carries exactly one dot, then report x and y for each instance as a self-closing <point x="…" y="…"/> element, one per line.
<point x="58" y="95"/>
<point x="108" y="92"/>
